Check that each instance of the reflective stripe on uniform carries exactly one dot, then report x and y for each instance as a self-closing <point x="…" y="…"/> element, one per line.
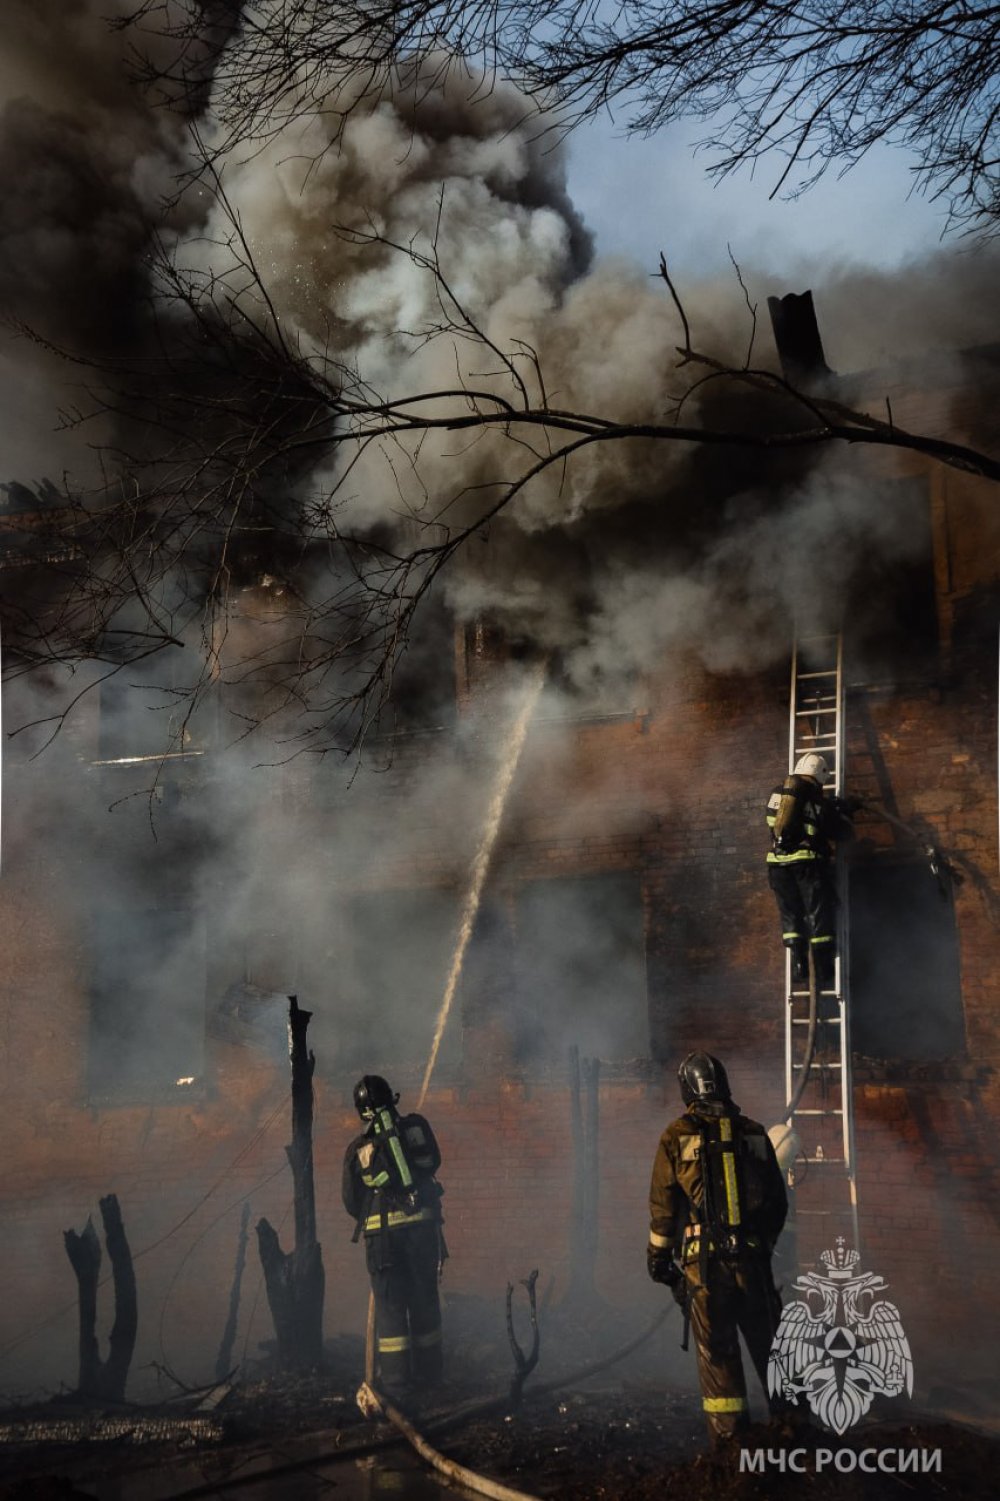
<point x="773" y="859"/>
<point x="395" y="1146"/>
<point x="724" y="1404"/>
<point x="729" y="1172"/>
<point x="823" y="938"/>
<point x="397" y="1217"/>
<point x="659" y="1242"/>
<point x="402" y="1166"/>
<point x="375" y="1182"/>
<point x="395" y="1344"/>
<point x="787" y="936"/>
<point x="424" y="1341"/>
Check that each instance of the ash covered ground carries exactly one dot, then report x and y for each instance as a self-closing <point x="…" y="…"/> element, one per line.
<point x="624" y="1432"/>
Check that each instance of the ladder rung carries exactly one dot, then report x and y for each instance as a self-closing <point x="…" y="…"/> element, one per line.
<point x="825" y="672"/>
<point x="817" y="1112"/>
<point x="816" y="709"/>
<point x="836" y="1063"/>
<point x="822" y="1161"/>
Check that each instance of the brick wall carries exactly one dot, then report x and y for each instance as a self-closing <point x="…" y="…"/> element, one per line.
<point x="673" y="793"/>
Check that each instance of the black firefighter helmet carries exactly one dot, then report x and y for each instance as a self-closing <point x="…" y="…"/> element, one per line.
<point x="371" y="1094"/>
<point x="703" y="1078"/>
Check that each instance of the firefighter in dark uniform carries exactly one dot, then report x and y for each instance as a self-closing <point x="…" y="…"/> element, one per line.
<point x="389" y="1190"/>
<point x="717" y="1204"/>
<point x="805" y="824"/>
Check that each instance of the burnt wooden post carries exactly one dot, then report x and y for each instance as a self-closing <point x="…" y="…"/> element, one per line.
<point x="104" y="1380"/>
<point x="585" y="1126"/>
<point x="224" y="1359"/>
<point x="295" y="1280"/>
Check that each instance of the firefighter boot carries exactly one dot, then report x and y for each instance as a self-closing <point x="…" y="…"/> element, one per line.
<point x="800" y="962"/>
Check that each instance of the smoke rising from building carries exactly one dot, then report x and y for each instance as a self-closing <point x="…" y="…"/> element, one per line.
<point x="637" y="561"/>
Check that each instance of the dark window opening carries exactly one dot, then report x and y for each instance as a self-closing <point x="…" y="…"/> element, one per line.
<point x="421" y="693"/>
<point x="147" y="1016"/>
<point x="592" y="692"/>
<point x="906" y="997"/>
<point x="390" y="982"/>
<point x="581" y="968"/>
<point x="893" y="629"/>
<point x="147" y="709"/>
<point x="575" y="687"/>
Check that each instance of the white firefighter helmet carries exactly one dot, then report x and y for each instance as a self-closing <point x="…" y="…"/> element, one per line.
<point x="812" y="764"/>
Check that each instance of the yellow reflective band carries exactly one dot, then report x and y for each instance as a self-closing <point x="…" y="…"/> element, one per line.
<point x="791" y="935"/>
<point x="424" y="1341"/>
<point x="729" y="1172"/>
<point x="401" y="1163"/>
<point x="394" y="1345"/>
<point x="827" y="938"/>
<point x="724" y="1404"/>
<point x="375" y="1182"/>
<point x="397" y="1217"/>
<point x="773" y="859"/>
<point x="384" y="1127"/>
<point x="659" y="1242"/>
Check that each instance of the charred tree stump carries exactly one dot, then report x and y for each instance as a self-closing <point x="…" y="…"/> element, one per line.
<point x="104" y="1380"/>
<point x="295" y="1280"/>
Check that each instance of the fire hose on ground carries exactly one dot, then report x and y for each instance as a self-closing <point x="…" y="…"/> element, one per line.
<point x="480" y="1409"/>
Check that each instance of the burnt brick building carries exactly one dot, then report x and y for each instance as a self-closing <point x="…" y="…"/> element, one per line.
<point x="625" y="913"/>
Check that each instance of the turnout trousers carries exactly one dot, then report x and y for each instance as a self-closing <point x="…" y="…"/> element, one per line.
<point x="734" y="1297"/>
<point x="806" y="894"/>
<point x="403" y="1267"/>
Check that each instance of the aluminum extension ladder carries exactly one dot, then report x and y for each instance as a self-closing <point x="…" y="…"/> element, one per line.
<point x="826" y="1200"/>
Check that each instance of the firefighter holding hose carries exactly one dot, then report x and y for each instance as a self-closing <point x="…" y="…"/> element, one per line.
<point x="717" y="1204"/>
<point x="390" y="1191"/>
<point x="805" y="824"/>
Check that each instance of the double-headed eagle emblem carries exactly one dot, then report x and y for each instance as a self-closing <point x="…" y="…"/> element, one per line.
<point x="843" y="1350"/>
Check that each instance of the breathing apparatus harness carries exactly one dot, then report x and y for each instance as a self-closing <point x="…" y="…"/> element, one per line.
<point x="721" y="1230"/>
<point x="389" y="1172"/>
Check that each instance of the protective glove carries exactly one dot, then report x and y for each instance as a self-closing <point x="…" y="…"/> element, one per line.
<point x="662" y="1268"/>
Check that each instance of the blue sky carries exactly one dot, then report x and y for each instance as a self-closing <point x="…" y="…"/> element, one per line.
<point x="641" y="196"/>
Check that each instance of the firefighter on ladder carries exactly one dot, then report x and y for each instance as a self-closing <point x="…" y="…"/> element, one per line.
<point x="390" y="1191"/>
<point x="717" y="1204"/>
<point x="805" y="824"/>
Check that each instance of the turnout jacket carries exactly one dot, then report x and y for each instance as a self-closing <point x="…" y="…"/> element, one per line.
<point x="369" y="1184"/>
<point x="804" y="822"/>
<point x="746" y="1190"/>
